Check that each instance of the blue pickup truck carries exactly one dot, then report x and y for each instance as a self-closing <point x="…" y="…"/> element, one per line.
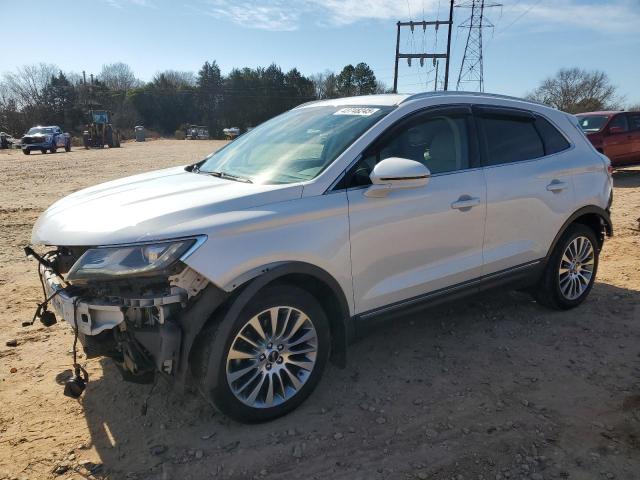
<point x="45" y="139"/>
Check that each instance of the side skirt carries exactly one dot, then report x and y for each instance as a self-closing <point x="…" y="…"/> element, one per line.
<point x="521" y="276"/>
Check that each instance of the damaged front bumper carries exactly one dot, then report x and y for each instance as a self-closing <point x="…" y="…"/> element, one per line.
<point x="148" y="326"/>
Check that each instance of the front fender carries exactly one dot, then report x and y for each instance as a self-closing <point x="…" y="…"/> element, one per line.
<point x="342" y="328"/>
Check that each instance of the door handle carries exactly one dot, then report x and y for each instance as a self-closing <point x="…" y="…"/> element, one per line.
<point x="557" y="186"/>
<point x="465" y="202"/>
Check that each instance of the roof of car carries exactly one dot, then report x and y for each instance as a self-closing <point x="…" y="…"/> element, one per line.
<point x="393" y="99"/>
<point x="603" y="112"/>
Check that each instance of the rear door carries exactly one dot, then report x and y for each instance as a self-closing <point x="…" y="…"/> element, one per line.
<point x="617" y="144"/>
<point x="634" y="133"/>
<point x="529" y="192"/>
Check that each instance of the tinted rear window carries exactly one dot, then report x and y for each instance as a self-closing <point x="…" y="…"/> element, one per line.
<point x="553" y="140"/>
<point x="510" y="139"/>
<point x="634" y="121"/>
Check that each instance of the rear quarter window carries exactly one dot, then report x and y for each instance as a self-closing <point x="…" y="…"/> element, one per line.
<point x="552" y="139"/>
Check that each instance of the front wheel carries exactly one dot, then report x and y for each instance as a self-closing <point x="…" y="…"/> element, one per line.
<point x="571" y="269"/>
<point x="273" y="356"/>
<point x="67" y="146"/>
<point x="26" y="151"/>
<point x="53" y="149"/>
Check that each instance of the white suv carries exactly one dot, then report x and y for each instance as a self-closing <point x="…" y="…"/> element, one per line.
<point x="248" y="269"/>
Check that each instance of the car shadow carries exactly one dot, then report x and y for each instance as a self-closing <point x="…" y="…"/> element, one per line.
<point x="627" y="177"/>
<point x="407" y="374"/>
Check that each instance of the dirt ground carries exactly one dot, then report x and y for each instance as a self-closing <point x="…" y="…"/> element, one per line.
<point x="492" y="388"/>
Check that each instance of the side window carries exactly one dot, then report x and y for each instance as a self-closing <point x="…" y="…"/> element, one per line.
<point x="439" y="140"/>
<point x="634" y="121"/>
<point x="553" y="140"/>
<point x="510" y="139"/>
<point x="619" y="121"/>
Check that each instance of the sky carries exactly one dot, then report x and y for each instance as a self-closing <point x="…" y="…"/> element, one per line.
<point x="530" y="39"/>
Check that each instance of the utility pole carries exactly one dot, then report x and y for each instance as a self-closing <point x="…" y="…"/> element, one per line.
<point x="446" y="70"/>
<point x="472" y="66"/>
<point x="422" y="56"/>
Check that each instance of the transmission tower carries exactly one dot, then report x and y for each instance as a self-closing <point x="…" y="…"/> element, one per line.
<point x="472" y="67"/>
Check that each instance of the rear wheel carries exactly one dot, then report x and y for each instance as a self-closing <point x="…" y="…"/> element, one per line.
<point x="67" y="146"/>
<point x="53" y="149"/>
<point x="571" y="270"/>
<point x="272" y="358"/>
<point x="26" y="151"/>
<point x="43" y="150"/>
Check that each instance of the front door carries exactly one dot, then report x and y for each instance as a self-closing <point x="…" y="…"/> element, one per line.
<point x="617" y="144"/>
<point x="419" y="240"/>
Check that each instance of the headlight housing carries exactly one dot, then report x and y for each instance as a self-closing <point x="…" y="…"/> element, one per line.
<point x="111" y="263"/>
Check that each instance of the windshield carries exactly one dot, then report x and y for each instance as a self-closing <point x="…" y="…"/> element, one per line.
<point x="35" y="130"/>
<point x="295" y="146"/>
<point x="592" y="123"/>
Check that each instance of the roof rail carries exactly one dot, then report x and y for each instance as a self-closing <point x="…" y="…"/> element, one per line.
<point x="470" y="94"/>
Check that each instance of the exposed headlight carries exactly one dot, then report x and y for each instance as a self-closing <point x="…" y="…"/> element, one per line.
<point x="105" y="263"/>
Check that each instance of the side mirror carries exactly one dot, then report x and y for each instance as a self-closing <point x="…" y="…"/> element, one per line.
<point x="616" y="129"/>
<point x="395" y="174"/>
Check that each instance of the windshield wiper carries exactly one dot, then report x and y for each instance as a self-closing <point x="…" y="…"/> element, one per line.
<point x="229" y="176"/>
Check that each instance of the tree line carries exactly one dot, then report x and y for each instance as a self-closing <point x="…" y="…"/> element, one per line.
<point x="245" y="97"/>
<point x="44" y="95"/>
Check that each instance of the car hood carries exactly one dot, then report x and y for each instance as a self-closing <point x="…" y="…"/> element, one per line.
<point x="157" y="205"/>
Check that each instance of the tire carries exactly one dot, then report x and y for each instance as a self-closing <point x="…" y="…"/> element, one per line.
<point x="569" y="288"/>
<point x="53" y="149"/>
<point x="265" y="383"/>
<point x="67" y="146"/>
<point x="43" y="150"/>
<point x="26" y="151"/>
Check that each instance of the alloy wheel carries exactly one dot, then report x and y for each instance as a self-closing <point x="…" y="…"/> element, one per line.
<point x="576" y="267"/>
<point x="272" y="357"/>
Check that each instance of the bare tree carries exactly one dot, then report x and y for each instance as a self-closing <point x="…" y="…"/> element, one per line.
<point x="382" y="87"/>
<point x="119" y="77"/>
<point x="575" y="90"/>
<point x="325" y="84"/>
<point x="634" y="108"/>
<point x="174" y="78"/>
<point x="26" y="85"/>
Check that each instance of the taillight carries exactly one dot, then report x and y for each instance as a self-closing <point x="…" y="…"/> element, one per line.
<point x="609" y="169"/>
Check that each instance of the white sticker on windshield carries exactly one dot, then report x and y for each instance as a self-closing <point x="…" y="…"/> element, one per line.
<point x="360" y="111"/>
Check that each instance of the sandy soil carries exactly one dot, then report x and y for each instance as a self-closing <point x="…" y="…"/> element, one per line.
<point x="492" y="388"/>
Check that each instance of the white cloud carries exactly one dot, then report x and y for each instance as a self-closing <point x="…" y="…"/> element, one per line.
<point x="613" y="16"/>
<point x="122" y="3"/>
<point x="273" y="15"/>
<point x="281" y="15"/>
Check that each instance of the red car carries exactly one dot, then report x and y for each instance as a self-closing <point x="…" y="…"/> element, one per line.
<point x="616" y="134"/>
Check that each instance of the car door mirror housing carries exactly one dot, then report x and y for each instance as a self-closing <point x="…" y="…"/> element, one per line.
<point x="396" y="173"/>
